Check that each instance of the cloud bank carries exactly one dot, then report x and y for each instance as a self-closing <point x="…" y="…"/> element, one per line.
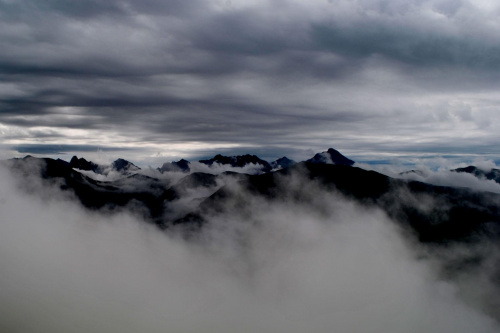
<point x="285" y="268"/>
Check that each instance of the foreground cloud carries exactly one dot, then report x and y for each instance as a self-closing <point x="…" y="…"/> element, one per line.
<point x="285" y="268"/>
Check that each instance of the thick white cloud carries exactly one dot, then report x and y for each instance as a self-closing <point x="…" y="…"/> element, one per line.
<point x="286" y="268"/>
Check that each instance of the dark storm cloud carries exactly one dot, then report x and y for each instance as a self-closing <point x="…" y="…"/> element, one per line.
<point x="78" y="9"/>
<point x="253" y="73"/>
<point x="415" y="45"/>
<point x="60" y="149"/>
<point x="90" y="8"/>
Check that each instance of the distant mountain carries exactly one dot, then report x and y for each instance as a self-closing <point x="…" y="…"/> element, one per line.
<point x="124" y="166"/>
<point x="412" y="172"/>
<point x="179" y="166"/>
<point x="331" y="156"/>
<point x="239" y="161"/>
<point x="282" y="163"/>
<point x="91" y="193"/>
<point x="493" y="174"/>
<point x="151" y="196"/>
<point x="83" y="164"/>
<point x="119" y="165"/>
<point x="449" y="214"/>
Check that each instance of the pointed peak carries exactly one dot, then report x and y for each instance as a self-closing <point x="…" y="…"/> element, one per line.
<point x="331" y="156"/>
<point x="283" y="159"/>
<point x="124" y="165"/>
<point x="75" y="159"/>
<point x="82" y="164"/>
<point x="282" y="163"/>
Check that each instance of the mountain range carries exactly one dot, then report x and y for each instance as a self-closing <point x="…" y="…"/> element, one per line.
<point x="450" y="213"/>
<point x="331" y="156"/>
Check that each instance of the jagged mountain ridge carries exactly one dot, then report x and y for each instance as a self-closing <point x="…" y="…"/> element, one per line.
<point x="331" y="156"/>
<point x="120" y="165"/>
<point x="458" y="213"/>
<point x="83" y="164"/>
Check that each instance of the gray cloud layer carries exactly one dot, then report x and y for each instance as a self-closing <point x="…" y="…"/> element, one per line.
<point x="365" y="76"/>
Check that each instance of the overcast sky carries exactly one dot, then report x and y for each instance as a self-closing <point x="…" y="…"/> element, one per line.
<point x="376" y="79"/>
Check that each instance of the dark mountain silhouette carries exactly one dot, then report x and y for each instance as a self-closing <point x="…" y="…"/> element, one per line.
<point x="331" y="156"/>
<point x="179" y="166"/>
<point x="83" y="164"/>
<point x="238" y="161"/>
<point x="119" y="165"/>
<point x="449" y="214"/>
<point x="124" y="166"/>
<point x="493" y="174"/>
<point x="282" y="163"/>
<point x="91" y="193"/>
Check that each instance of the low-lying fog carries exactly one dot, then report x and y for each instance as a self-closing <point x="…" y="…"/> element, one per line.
<point x="330" y="266"/>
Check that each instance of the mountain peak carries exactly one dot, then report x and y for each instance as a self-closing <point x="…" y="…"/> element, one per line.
<point x="282" y="163"/>
<point x="181" y="165"/>
<point x="122" y="165"/>
<point x="331" y="156"/>
<point x="83" y="164"/>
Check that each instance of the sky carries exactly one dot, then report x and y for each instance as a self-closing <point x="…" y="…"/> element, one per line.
<point x="154" y="81"/>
